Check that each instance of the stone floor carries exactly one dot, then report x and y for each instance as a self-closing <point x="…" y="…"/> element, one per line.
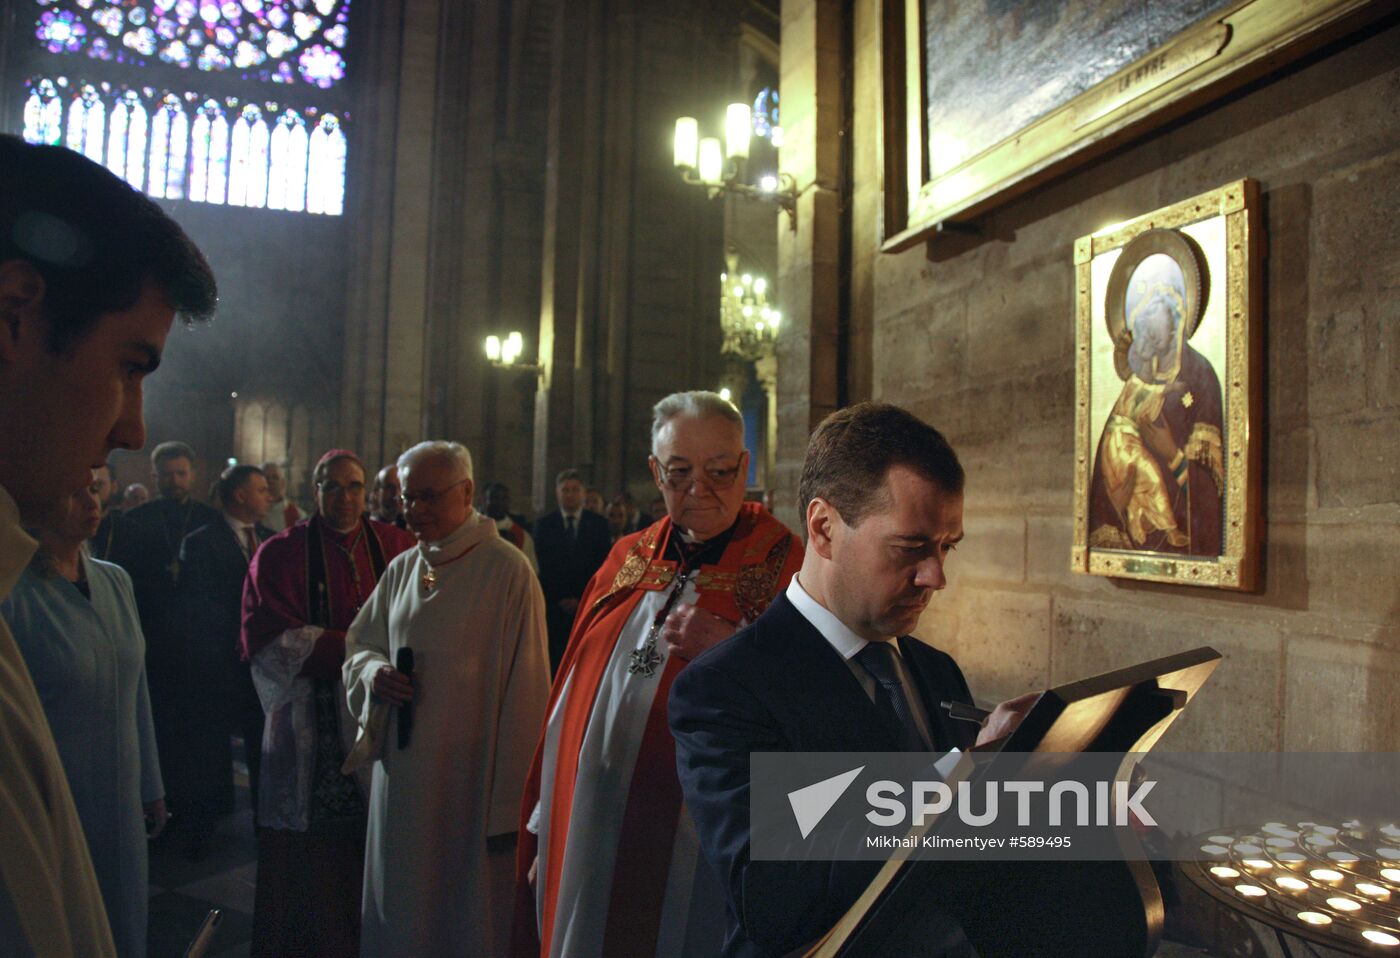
<point x="183" y="892"/>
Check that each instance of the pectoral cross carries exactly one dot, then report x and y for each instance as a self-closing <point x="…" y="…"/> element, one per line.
<point x="429" y="580"/>
<point x="644" y="661"/>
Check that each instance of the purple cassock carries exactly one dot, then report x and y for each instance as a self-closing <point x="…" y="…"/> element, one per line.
<point x="303" y="590"/>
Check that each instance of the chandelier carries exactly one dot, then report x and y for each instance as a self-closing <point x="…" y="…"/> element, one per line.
<point x="749" y="323"/>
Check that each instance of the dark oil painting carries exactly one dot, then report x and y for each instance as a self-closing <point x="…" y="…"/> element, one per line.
<point x="993" y="67"/>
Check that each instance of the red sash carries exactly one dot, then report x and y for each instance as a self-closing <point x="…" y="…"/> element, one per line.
<point x="762" y="556"/>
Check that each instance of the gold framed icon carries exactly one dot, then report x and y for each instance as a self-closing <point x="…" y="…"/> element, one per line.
<point x="1167" y="380"/>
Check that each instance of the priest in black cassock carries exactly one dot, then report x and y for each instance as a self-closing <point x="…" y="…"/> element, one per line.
<point x="160" y="526"/>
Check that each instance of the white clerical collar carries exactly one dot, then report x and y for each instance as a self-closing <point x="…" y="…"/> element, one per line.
<point x="840" y="636"/>
<point x="504" y="523"/>
<point x="16" y="546"/>
<point x="689" y="539"/>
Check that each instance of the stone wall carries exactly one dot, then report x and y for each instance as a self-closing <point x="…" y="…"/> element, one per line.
<point x="1312" y="659"/>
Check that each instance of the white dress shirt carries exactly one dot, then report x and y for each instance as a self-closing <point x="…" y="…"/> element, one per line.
<point x="848" y="645"/>
<point x="240" y="532"/>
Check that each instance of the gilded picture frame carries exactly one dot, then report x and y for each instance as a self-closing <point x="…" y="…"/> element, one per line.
<point x="1167" y="394"/>
<point x="929" y="190"/>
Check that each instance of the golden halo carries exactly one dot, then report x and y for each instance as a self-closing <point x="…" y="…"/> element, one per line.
<point x="1183" y="251"/>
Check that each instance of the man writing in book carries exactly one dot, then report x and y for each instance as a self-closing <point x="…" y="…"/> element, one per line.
<point x="830" y="666"/>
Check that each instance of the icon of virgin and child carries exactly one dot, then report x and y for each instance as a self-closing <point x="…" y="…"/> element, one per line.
<point x="1158" y="476"/>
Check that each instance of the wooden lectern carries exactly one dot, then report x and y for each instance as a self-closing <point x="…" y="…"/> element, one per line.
<point x="1050" y="908"/>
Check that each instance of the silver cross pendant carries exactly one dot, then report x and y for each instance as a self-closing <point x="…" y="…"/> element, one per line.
<point x="644" y="660"/>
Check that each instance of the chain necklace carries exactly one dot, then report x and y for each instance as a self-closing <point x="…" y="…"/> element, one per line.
<point x="647" y="659"/>
<point x="429" y="580"/>
<point x="174" y="550"/>
<point x="349" y="553"/>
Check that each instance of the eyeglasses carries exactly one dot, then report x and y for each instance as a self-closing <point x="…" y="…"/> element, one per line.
<point x="336" y="489"/>
<point x="428" y="498"/>
<point x="684" y="477"/>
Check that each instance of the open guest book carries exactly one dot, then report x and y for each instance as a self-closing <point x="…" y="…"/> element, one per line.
<point x="1013" y="909"/>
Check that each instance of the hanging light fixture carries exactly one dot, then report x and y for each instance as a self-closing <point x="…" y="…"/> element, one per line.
<point x="749" y="322"/>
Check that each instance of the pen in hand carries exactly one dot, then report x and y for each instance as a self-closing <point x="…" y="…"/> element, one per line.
<point x="964" y="712"/>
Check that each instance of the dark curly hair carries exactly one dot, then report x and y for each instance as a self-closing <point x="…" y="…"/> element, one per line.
<point x="95" y="241"/>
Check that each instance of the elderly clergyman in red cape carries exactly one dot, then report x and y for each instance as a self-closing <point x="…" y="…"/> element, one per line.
<point x="608" y="860"/>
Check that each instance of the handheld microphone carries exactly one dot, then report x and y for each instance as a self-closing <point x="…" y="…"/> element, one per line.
<point x="403" y="661"/>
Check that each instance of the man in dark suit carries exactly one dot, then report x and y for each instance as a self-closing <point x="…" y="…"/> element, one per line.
<point x="636" y="522"/>
<point x="830" y="666"/>
<point x="571" y="544"/>
<point x="220" y="697"/>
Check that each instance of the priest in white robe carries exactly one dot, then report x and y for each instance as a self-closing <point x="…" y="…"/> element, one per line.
<point x="468" y="605"/>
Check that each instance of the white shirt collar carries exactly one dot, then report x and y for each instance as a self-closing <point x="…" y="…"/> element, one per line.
<point x="846" y="643"/>
<point x="571" y="515"/>
<point x="504" y="523"/>
<point x="238" y="525"/>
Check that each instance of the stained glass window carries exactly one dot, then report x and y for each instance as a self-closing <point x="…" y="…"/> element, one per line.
<point x="169" y="142"/>
<point x="126" y="143"/>
<point x="87" y="118"/>
<point x="278" y="41"/>
<point x="765" y="112"/>
<point x="180" y="145"/>
<point x="208" y="154"/>
<point x="286" y="189"/>
<point x="248" y="160"/>
<point x="326" y="169"/>
<point x="118" y="80"/>
<point x="43" y="114"/>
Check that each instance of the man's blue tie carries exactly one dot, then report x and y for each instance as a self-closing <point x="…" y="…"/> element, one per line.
<point x="877" y="658"/>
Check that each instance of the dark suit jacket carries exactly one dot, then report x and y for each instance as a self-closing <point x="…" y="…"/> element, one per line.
<point x="565" y="565"/>
<point x="212" y="569"/>
<point x="778" y="686"/>
<point x="160" y="527"/>
<point x="206" y="688"/>
<point x="116" y="540"/>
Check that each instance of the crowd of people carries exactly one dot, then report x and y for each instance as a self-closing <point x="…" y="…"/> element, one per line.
<point x="464" y="736"/>
<point x="240" y="637"/>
